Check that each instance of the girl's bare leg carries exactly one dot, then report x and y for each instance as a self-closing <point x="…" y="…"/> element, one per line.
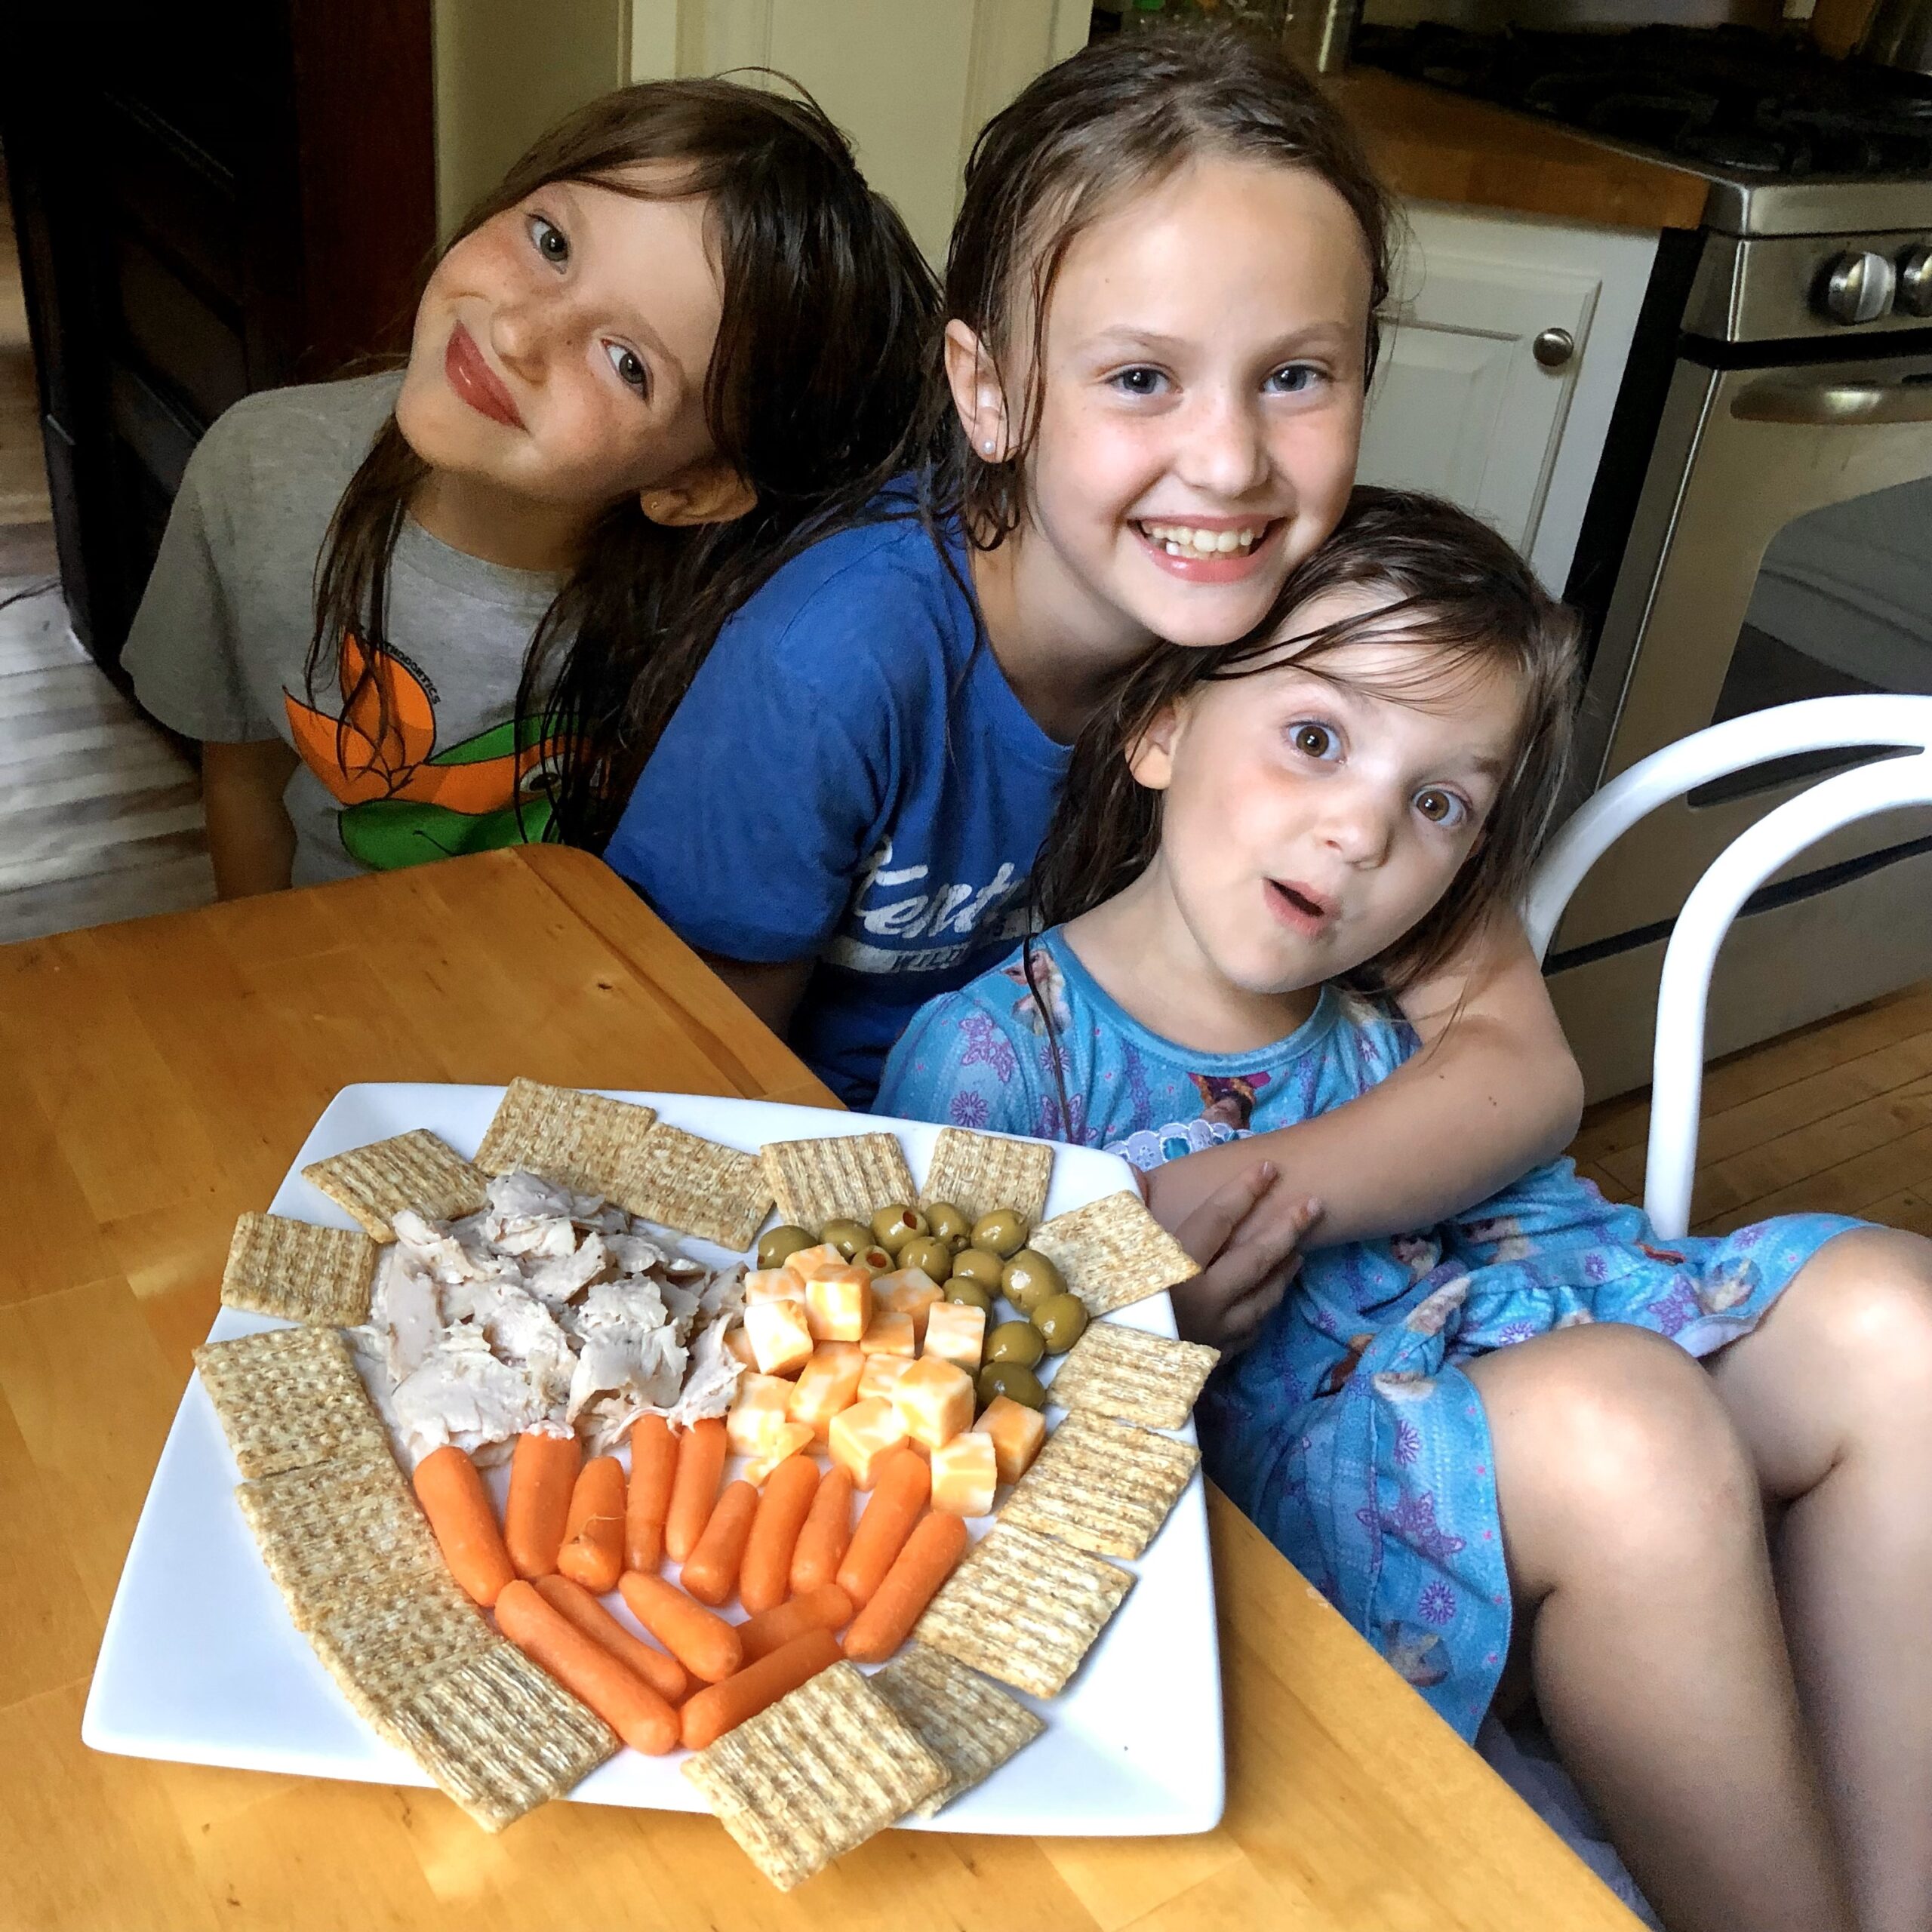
<point x="1833" y="1395"/>
<point x="1632" y="1526"/>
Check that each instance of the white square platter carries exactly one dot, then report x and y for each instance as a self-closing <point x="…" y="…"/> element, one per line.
<point x="200" y="1665"/>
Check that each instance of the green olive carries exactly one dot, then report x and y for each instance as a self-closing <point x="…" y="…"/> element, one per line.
<point x="1015" y="1342"/>
<point x="1062" y="1320"/>
<point x="929" y="1254"/>
<point x="975" y="1264"/>
<point x="776" y="1245"/>
<point x="1002" y="1233"/>
<point x="848" y="1237"/>
<point x="1015" y="1383"/>
<point x="1029" y="1278"/>
<point x="877" y="1259"/>
<point x="893" y="1227"/>
<point x="948" y="1225"/>
<point x="971" y="1294"/>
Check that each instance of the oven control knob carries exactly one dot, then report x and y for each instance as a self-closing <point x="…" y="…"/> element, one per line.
<point x="1858" y="287"/>
<point x="1914" y="295"/>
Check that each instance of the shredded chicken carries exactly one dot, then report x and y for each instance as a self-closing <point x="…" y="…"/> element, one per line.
<point x="548" y="1309"/>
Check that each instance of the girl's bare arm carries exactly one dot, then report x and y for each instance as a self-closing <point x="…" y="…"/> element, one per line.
<point x="250" y="837"/>
<point x="771" y="991"/>
<point x="1489" y="1097"/>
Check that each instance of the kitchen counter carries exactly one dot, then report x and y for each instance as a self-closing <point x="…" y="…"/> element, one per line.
<point x="1432" y="146"/>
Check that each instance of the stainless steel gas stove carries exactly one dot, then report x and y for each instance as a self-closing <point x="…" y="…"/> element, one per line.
<point x="1761" y="527"/>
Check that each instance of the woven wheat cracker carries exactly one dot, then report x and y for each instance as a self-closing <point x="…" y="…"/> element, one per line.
<point x="844" y="1176"/>
<point x="580" y="1141"/>
<point x="979" y="1172"/>
<point x="815" y="1775"/>
<point x="299" y="1271"/>
<point x="698" y="1187"/>
<point x="289" y="1397"/>
<point x="1112" y="1253"/>
<point x="1118" y="1371"/>
<point x="1101" y="1485"/>
<point x="1024" y="1608"/>
<point x="376" y="1183"/>
<point x="970" y="1726"/>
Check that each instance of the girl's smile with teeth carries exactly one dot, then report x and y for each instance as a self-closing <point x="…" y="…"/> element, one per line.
<point x="1179" y="540"/>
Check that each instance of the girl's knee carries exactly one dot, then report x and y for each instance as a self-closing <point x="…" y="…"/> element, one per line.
<point x="1614" y="1426"/>
<point x="1860" y="1311"/>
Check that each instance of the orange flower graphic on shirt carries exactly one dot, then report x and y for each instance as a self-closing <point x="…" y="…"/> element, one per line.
<point x="403" y="801"/>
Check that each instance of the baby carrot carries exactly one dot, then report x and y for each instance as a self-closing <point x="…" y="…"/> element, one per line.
<point x="654" y="1464"/>
<point x="694" y="1487"/>
<point x="937" y="1542"/>
<point x="765" y="1575"/>
<point x="702" y="1641"/>
<point x="826" y="1534"/>
<point x="458" y="1507"/>
<point x="542" y="1474"/>
<point x="593" y="1551"/>
<point x="900" y="1493"/>
<point x="723" y="1707"/>
<point x="710" y="1573"/>
<point x="827" y="1607"/>
<point x="624" y="1700"/>
<point x="665" y="1675"/>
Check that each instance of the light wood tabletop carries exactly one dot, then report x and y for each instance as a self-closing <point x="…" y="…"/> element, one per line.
<point x="155" y="1079"/>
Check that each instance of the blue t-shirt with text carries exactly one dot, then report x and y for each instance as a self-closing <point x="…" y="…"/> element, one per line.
<point x="850" y="779"/>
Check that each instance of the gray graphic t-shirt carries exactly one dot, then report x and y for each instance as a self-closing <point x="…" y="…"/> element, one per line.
<point x="218" y="647"/>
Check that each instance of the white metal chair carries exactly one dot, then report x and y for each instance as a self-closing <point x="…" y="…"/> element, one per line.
<point x="1823" y="724"/>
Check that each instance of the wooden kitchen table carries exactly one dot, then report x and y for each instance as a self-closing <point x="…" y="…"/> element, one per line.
<point x="155" y="1079"/>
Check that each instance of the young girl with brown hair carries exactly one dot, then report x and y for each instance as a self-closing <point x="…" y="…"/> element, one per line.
<point x="1490" y="1439"/>
<point x="1163" y="286"/>
<point x="418" y="614"/>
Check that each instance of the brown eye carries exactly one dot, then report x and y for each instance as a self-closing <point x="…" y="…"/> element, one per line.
<point x="1313" y="740"/>
<point x="1441" y="807"/>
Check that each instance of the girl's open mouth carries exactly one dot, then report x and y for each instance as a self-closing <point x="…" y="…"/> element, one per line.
<point x="1218" y="552"/>
<point x="1297" y="907"/>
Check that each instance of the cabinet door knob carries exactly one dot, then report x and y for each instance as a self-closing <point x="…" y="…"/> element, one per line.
<point x="1552" y="348"/>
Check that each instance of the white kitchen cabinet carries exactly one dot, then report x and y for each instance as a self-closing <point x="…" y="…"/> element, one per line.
<point x="1461" y="406"/>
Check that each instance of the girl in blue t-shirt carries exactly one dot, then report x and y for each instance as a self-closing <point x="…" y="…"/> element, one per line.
<point x="1256" y="847"/>
<point x="1163" y="285"/>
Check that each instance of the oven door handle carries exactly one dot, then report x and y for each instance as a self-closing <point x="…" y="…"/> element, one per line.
<point x="1779" y="399"/>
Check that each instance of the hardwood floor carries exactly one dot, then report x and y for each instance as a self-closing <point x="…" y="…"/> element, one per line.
<point x="1836" y="1116"/>
<point x="100" y="813"/>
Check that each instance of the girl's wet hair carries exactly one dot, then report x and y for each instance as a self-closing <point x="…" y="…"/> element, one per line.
<point x="1117" y="119"/>
<point x="829" y="314"/>
<point x="1455" y="590"/>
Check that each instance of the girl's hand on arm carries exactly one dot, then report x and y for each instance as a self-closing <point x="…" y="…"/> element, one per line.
<point x="1493" y="1092"/>
<point x="251" y="839"/>
<point x="1246" y="1259"/>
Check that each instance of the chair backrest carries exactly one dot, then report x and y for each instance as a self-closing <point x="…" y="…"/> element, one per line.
<point x="1823" y="723"/>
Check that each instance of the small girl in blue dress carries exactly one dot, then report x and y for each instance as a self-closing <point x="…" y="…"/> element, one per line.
<point x="1678" y="1483"/>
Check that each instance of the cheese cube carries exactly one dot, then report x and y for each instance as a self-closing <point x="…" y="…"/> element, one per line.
<point x="1017" y="1433"/>
<point x="936" y="1400"/>
<point x="763" y="1401"/>
<point x="956" y="1332"/>
<point x="861" y="1437"/>
<point x="787" y="1439"/>
<point x="781" y="1341"/>
<point x="965" y="1473"/>
<point x="738" y="1345"/>
<point x="827" y="1384"/>
<point x="910" y="1291"/>
<point x="889" y="1333"/>
<point x="881" y="1374"/>
<point x="838" y="1304"/>
<point x="773" y="1285"/>
<point x="809" y="1262"/>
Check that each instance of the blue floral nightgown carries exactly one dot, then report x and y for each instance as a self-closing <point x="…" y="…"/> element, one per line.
<point x="1347" y="1431"/>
